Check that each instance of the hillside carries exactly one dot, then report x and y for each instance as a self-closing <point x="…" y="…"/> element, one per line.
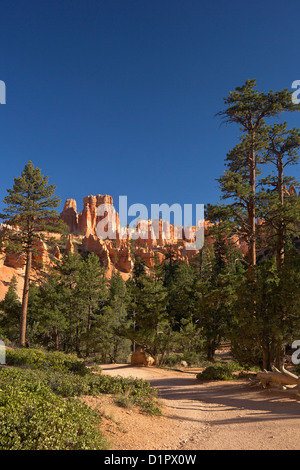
<point x="115" y="254"/>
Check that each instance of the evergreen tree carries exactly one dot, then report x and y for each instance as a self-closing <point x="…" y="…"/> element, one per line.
<point x="30" y="206"/>
<point x="112" y="320"/>
<point x="279" y="210"/>
<point x="138" y="270"/>
<point x="182" y="313"/>
<point x="49" y="311"/>
<point x="148" y="313"/>
<point x="67" y="303"/>
<point x="266" y="312"/>
<point x="92" y="294"/>
<point x="10" y="308"/>
<point x="249" y="109"/>
<point x="216" y="293"/>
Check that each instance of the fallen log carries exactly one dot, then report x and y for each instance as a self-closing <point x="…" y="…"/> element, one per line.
<point x="283" y="377"/>
<point x="281" y="380"/>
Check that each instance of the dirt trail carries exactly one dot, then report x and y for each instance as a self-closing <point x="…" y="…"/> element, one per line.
<point x="209" y="416"/>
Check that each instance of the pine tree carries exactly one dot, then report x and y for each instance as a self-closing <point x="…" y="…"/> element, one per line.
<point x="216" y="293"/>
<point x="30" y="206"/>
<point x="266" y="312"/>
<point x="49" y="311"/>
<point x="92" y="293"/>
<point x="147" y="312"/>
<point x="10" y="307"/>
<point x="151" y="316"/>
<point x="280" y="210"/>
<point x="112" y="320"/>
<point x="249" y="109"/>
<point x="182" y="316"/>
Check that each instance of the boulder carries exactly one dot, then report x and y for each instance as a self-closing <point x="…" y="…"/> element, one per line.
<point x="141" y="358"/>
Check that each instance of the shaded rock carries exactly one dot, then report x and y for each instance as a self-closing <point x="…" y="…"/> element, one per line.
<point x="141" y="358"/>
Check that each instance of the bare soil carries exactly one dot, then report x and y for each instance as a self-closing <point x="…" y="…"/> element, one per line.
<point x="200" y="416"/>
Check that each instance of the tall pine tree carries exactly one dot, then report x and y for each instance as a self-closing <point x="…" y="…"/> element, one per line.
<point x="30" y="206"/>
<point x="250" y="109"/>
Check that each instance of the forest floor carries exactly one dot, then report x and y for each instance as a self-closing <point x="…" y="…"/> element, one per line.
<point x="200" y="415"/>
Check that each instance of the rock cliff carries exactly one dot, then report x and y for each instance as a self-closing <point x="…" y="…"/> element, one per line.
<point x="151" y="237"/>
<point x="115" y="252"/>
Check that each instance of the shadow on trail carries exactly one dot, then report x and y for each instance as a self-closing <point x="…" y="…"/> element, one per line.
<point x="125" y="366"/>
<point x="243" y="403"/>
<point x="261" y="405"/>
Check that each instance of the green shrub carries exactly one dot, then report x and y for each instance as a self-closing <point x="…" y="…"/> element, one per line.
<point x="233" y="366"/>
<point x="193" y="359"/>
<point x="67" y="376"/>
<point x="61" y="383"/>
<point x="120" y="385"/>
<point x="219" y="371"/>
<point x="174" y="360"/>
<point x="38" y="410"/>
<point x="66" y="384"/>
<point x="36" y="359"/>
<point x="124" y="401"/>
<point x="40" y="420"/>
<point x="150" y="408"/>
<point x="130" y="392"/>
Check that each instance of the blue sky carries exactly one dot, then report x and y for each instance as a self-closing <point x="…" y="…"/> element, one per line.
<point x="119" y="97"/>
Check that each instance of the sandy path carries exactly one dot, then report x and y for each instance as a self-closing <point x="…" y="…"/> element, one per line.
<point x="218" y="415"/>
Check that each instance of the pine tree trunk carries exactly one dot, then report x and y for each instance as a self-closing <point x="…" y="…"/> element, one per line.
<point x="278" y="354"/>
<point x="210" y="350"/>
<point x="88" y="336"/>
<point x="268" y="356"/>
<point x="251" y="212"/>
<point x="280" y="249"/>
<point x="280" y="232"/>
<point x="266" y="359"/>
<point x="56" y="339"/>
<point x="77" y="341"/>
<point x="23" y="324"/>
<point x="165" y="348"/>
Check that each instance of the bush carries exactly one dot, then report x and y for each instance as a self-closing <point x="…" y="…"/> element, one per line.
<point x="67" y="384"/>
<point x="130" y="392"/>
<point x="39" y="420"/>
<point x="174" y="360"/>
<point x="61" y="383"/>
<point x="36" y="359"/>
<point x="38" y="410"/>
<point x="124" y="401"/>
<point x="219" y="371"/>
<point x="150" y="408"/>
<point x="121" y="385"/>
<point x="67" y="376"/>
<point x="193" y="359"/>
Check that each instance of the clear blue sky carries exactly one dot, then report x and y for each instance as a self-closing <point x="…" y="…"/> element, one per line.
<point x="119" y="96"/>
